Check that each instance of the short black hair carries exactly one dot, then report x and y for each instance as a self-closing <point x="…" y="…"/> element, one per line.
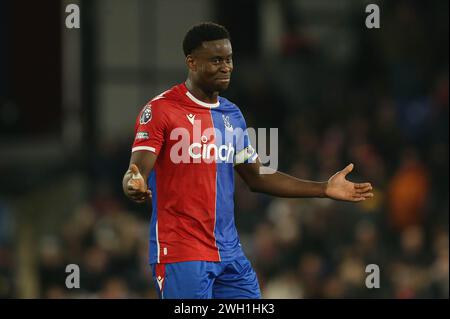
<point x="206" y="31"/>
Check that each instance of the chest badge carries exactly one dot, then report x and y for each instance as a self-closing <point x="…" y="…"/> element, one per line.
<point x="226" y="123"/>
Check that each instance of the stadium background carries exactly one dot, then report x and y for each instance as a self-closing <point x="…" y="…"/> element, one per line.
<point x="337" y="91"/>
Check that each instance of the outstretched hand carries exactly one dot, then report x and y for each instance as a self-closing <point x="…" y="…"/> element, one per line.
<point x="342" y="189"/>
<point x="136" y="186"/>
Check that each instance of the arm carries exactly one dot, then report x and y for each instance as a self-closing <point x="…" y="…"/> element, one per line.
<point x="134" y="181"/>
<point x="283" y="185"/>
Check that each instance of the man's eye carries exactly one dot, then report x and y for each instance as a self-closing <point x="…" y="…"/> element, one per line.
<point x="216" y="60"/>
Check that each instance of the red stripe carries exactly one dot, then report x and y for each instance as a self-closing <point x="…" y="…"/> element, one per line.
<point x="187" y="200"/>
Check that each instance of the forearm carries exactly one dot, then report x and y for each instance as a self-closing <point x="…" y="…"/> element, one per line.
<point x="283" y="185"/>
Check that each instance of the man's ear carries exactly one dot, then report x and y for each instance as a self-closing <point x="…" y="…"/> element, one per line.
<point x="191" y="63"/>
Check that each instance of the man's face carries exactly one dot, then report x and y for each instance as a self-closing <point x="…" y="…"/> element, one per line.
<point x="212" y="65"/>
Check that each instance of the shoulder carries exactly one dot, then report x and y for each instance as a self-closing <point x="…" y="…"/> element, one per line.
<point x="151" y="111"/>
<point x="229" y="106"/>
<point x="158" y="110"/>
<point x="232" y="109"/>
<point x="166" y="98"/>
<point x="162" y="102"/>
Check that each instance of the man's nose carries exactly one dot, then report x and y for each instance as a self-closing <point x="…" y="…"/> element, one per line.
<point x="226" y="67"/>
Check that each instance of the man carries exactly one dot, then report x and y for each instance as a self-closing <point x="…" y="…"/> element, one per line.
<point x="188" y="142"/>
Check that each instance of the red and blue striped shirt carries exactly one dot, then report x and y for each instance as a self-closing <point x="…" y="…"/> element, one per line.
<point x="197" y="145"/>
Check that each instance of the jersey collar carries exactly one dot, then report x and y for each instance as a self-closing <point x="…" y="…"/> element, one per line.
<point x="201" y="103"/>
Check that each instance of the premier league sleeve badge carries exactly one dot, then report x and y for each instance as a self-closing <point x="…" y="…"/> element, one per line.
<point x="146" y="114"/>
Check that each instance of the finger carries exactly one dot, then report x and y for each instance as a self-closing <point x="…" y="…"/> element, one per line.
<point x="138" y="183"/>
<point x="134" y="169"/>
<point x="145" y="196"/>
<point x="132" y="185"/>
<point x="358" y="198"/>
<point x="348" y="169"/>
<point x="139" y="193"/>
<point x="362" y="185"/>
<point x="363" y="196"/>
<point x="363" y="189"/>
<point x="139" y="199"/>
<point x="367" y="195"/>
<point x="135" y="196"/>
<point x="136" y="193"/>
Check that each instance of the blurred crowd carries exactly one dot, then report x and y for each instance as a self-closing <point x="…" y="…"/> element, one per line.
<point x="385" y="111"/>
<point x="109" y="244"/>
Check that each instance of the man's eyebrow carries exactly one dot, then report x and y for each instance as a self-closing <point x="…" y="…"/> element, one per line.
<point x="222" y="56"/>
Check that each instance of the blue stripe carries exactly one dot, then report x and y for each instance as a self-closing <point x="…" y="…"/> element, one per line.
<point x="153" y="247"/>
<point x="225" y="232"/>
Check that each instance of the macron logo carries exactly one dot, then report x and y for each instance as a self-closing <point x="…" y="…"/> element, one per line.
<point x="191" y="118"/>
<point x="160" y="282"/>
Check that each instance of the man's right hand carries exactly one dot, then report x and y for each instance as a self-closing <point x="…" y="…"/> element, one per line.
<point x="136" y="187"/>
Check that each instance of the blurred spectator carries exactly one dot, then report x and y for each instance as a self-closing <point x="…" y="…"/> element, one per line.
<point x="285" y="286"/>
<point x="408" y="192"/>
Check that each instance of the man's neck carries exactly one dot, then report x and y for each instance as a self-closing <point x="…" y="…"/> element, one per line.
<point x="208" y="97"/>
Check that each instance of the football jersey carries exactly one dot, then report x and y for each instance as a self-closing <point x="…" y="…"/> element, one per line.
<point x="192" y="182"/>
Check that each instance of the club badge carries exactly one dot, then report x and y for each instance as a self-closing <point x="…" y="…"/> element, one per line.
<point x="226" y="122"/>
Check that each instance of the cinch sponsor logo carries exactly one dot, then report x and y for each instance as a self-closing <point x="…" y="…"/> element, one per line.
<point x="209" y="145"/>
<point x="211" y="151"/>
<point x="232" y="146"/>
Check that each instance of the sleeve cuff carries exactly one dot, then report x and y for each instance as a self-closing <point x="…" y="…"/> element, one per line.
<point x="143" y="148"/>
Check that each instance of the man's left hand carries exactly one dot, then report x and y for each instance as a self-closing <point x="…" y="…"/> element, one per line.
<point x="340" y="188"/>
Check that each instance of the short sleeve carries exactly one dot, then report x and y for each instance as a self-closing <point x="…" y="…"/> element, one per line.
<point x="150" y="129"/>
